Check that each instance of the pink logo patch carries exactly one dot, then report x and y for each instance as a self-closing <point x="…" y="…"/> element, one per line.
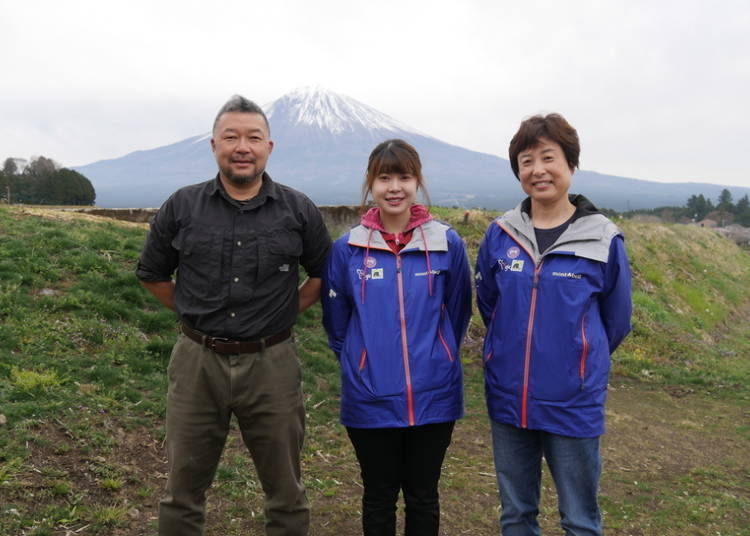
<point x="370" y="262"/>
<point x="513" y="252"/>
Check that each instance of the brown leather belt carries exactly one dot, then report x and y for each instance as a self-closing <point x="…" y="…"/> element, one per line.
<point x="222" y="345"/>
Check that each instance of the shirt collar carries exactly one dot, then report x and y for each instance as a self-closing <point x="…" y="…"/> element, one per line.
<point x="267" y="189"/>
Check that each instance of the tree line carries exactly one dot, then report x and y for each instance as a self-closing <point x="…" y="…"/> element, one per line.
<point x="698" y="207"/>
<point x="44" y="182"/>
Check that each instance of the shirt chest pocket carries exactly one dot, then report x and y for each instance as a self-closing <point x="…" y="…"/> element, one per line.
<point x="278" y="253"/>
<point x="200" y="257"/>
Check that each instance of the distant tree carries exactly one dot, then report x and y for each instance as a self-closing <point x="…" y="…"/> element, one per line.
<point x="698" y="207"/>
<point x="4" y="183"/>
<point x="724" y="202"/>
<point x="610" y="213"/>
<point x="10" y="167"/>
<point x="721" y="217"/>
<point x="40" y="167"/>
<point x="669" y="214"/>
<point x="44" y="182"/>
<point x="72" y="188"/>
<point x="743" y="211"/>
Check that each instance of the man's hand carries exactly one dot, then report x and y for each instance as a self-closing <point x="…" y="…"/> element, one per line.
<point x="164" y="291"/>
<point x="309" y="292"/>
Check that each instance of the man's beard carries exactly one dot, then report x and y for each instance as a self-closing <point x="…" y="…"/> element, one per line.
<point x="240" y="180"/>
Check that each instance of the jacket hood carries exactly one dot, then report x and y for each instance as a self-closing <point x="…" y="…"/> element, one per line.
<point x="373" y="225"/>
<point x="584" y="207"/>
<point x="588" y="235"/>
<point x="419" y="216"/>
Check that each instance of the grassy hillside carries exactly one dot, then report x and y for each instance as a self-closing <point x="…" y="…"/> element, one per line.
<point x="83" y="354"/>
<point x="691" y="294"/>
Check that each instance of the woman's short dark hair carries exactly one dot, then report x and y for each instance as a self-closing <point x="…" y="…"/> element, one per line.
<point x="393" y="156"/>
<point x="553" y="127"/>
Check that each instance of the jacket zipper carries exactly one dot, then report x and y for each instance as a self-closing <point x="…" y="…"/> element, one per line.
<point x="529" y="329"/>
<point x="440" y="334"/>
<point x="362" y="359"/>
<point x="527" y="353"/>
<point x="584" y="351"/>
<point x="404" y="345"/>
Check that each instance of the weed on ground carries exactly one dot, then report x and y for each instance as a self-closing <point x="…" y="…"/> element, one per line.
<point x="83" y="354"/>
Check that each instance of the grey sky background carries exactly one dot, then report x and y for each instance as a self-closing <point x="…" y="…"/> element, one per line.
<point x="658" y="90"/>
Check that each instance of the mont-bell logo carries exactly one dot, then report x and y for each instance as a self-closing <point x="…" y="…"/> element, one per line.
<point x="568" y="275"/>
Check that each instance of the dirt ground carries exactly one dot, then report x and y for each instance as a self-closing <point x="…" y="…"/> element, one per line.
<point x="657" y="438"/>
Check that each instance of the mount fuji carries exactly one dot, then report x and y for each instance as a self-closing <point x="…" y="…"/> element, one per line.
<point x="321" y="144"/>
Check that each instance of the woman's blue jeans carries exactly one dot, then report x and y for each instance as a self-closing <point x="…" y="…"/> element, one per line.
<point x="575" y="465"/>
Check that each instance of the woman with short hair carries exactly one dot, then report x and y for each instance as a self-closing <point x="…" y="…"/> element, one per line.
<point x="553" y="289"/>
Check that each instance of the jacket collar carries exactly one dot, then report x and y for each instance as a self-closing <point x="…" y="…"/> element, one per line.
<point x="435" y="236"/>
<point x="584" y="207"/>
<point x="588" y="235"/>
<point x="419" y="215"/>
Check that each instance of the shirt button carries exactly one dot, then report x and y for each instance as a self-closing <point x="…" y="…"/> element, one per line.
<point x="232" y="315"/>
<point x="239" y="242"/>
<point x="236" y="279"/>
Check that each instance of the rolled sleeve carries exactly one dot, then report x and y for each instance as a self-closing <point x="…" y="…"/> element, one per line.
<point x="159" y="258"/>
<point x="316" y="242"/>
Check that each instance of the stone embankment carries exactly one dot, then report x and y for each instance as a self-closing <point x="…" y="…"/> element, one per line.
<point x="137" y="215"/>
<point x="337" y="218"/>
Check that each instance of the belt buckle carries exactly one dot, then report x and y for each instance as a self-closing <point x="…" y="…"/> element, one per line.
<point x="213" y="340"/>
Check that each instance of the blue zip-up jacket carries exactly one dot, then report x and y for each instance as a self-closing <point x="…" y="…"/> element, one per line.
<point x="395" y="322"/>
<point x="552" y="319"/>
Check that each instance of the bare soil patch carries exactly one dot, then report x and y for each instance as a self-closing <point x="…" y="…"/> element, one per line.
<point x="660" y="444"/>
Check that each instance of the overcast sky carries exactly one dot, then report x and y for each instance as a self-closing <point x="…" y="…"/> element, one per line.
<point x="658" y="90"/>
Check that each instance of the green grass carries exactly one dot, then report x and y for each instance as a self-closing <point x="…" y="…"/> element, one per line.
<point x="702" y="498"/>
<point x="690" y="308"/>
<point x="84" y="350"/>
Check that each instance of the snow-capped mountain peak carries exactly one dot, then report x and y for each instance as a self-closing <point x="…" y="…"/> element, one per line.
<point x="322" y="142"/>
<point x="318" y="107"/>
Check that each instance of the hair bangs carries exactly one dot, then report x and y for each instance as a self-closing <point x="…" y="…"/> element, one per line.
<point x="552" y="127"/>
<point x="395" y="160"/>
<point x="393" y="156"/>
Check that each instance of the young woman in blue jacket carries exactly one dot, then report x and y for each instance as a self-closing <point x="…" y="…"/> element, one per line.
<point x="553" y="289"/>
<point x="396" y="303"/>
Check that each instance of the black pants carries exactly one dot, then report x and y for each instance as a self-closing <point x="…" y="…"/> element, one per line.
<point x="393" y="459"/>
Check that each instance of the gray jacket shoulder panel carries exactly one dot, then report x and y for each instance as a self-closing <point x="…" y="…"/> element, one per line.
<point x="435" y="234"/>
<point x="589" y="237"/>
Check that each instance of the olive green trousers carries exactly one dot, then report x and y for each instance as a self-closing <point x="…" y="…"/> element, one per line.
<point x="264" y="391"/>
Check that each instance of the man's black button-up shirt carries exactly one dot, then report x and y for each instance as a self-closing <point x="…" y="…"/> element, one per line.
<point x="236" y="263"/>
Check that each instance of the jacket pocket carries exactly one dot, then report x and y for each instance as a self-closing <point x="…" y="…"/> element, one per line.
<point x="362" y="359"/>
<point x="584" y="353"/>
<point x="441" y="336"/>
<point x="487" y="350"/>
<point x="451" y="358"/>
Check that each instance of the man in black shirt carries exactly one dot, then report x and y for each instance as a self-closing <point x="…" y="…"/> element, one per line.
<point x="235" y="243"/>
